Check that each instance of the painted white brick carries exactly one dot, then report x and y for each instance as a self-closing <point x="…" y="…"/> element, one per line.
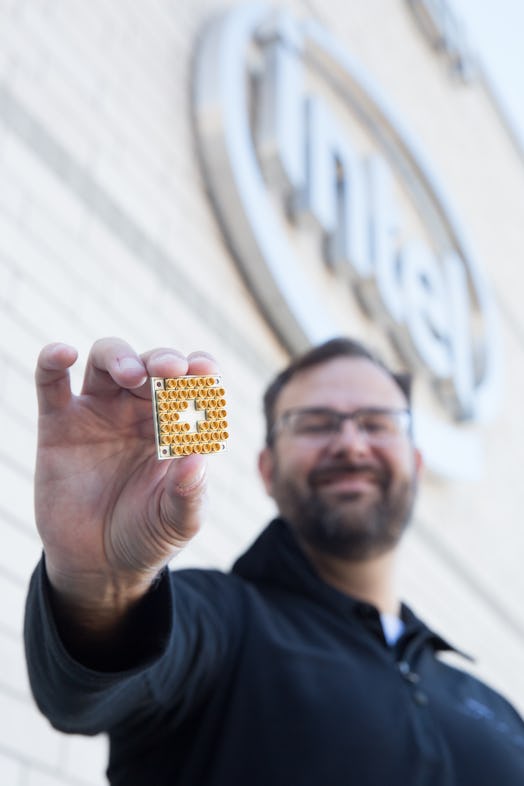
<point x="21" y="548"/>
<point x="59" y="286"/>
<point x="13" y="194"/>
<point x="6" y="62"/>
<point x="12" y="611"/>
<point x="18" y="383"/>
<point x="49" y="238"/>
<point x="58" y="221"/>
<point x="76" y="53"/>
<point x="3" y="374"/>
<point x="84" y="29"/>
<point x="18" y="387"/>
<point x="16" y="428"/>
<point x="23" y="166"/>
<point x="45" y="111"/>
<point x="14" y="42"/>
<point x="13" y="674"/>
<point x="40" y="776"/>
<point x="131" y="196"/>
<point x="18" y="249"/>
<point x="106" y="250"/>
<point x="10" y="771"/>
<point x="20" y="353"/>
<point x="66" y="780"/>
<point x="86" y="757"/>
<point x="37" y="777"/>
<point x="7" y="281"/>
<point x="43" y="316"/>
<point x="101" y="315"/>
<point x="17" y="490"/>
<point x="25" y="731"/>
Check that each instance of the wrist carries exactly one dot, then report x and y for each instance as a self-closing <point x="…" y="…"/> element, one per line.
<point x="111" y="637"/>
<point x="95" y="602"/>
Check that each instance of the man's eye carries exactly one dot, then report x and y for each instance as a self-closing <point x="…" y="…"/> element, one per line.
<point x="314" y="425"/>
<point x="375" y="425"/>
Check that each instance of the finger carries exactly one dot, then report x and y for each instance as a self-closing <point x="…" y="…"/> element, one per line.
<point x="202" y="363"/>
<point x="53" y="385"/>
<point x="182" y="504"/>
<point x="161" y="362"/>
<point x="165" y="362"/>
<point x="112" y="365"/>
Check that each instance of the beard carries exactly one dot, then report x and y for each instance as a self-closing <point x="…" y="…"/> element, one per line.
<point x="350" y="525"/>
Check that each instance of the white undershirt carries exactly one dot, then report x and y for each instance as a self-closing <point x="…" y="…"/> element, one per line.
<point x="393" y="628"/>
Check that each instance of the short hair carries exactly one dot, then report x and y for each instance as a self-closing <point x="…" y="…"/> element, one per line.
<point x="329" y="350"/>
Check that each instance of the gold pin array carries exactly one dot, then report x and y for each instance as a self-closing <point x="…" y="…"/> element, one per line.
<point x="190" y="415"/>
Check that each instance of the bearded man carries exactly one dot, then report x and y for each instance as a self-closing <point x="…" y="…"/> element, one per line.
<point x="301" y="667"/>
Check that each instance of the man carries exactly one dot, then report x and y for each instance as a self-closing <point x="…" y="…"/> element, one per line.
<point x="301" y="667"/>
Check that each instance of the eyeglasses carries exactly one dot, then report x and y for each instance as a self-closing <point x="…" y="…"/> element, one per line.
<point x="377" y="425"/>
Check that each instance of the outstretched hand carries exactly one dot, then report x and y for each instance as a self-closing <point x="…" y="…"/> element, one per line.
<point x="110" y="514"/>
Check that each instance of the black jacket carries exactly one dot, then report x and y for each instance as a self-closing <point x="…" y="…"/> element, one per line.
<point x="269" y="677"/>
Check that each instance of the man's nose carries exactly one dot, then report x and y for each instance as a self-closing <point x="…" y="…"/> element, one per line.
<point x="350" y="437"/>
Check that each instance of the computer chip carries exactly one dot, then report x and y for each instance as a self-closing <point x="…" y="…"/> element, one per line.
<point x="189" y="414"/>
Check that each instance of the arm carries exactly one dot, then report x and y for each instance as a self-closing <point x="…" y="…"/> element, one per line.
<point x="110" y="515"/>
<point x="184" y="636"/>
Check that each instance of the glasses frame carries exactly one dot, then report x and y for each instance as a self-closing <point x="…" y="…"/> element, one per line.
<point x="404" y="415"/>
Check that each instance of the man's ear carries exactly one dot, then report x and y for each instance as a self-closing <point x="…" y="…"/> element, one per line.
<point x="266" y="464"/>
<point x="419" y="462"/>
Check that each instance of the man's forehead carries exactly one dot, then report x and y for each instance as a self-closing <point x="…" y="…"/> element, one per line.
<point x="342" y="382"/>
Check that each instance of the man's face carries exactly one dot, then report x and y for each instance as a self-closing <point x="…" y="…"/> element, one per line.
<point x="346" y="494"/>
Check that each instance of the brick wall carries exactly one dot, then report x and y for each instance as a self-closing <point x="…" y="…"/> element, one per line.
<point x="105" y="230"/>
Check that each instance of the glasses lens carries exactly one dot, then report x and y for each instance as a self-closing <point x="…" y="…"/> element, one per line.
<point x="375" y="425"/>
<point x="310" y="422"/>
<point x="381" y="426"/>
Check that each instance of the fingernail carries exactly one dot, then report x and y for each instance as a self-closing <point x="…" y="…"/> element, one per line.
<point x="168" y="357"/>
<point x="192" y="480"/>
<point x="130" y="364"/>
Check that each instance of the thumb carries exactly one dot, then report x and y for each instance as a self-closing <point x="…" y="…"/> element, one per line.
<point x="182" y="509"/>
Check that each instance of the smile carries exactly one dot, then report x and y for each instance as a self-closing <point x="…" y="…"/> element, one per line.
<point x="353" y="481"/>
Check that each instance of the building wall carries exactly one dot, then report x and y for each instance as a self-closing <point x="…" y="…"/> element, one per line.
<point x="105" y="229"/>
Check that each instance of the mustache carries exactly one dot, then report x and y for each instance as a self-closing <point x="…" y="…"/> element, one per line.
<point x="329" y="471"/>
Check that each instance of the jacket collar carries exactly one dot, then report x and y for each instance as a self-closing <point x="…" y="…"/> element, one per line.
<point x="276" y="560"/>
